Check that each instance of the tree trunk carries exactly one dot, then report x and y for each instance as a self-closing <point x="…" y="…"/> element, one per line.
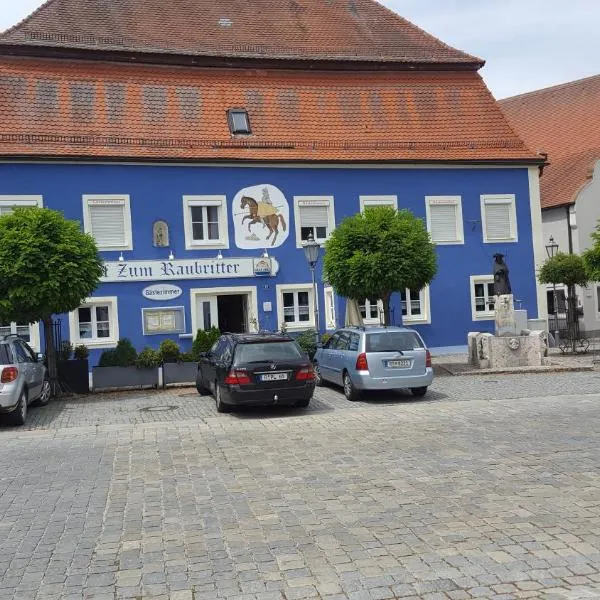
<point x="51" y="354"/>
<point x="386" y="309"/>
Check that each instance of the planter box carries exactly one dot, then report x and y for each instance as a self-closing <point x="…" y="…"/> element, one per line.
<point x="74" y="375"/>
<point x="183" y="372"/>
<point x="106" y="378"/>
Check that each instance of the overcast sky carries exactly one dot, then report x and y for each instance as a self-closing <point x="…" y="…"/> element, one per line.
<point x="528" y="44"/>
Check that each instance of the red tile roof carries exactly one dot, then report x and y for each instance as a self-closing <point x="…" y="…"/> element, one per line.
<point x="564" y="122"/>
<point x="87" y="109"/>
<point x="355" y="30"/>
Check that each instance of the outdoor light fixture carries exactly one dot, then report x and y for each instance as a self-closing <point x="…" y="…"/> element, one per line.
<point x="311" y="254"/>
<point x="551" y="251"/>
<point x="171" y="255"/>
<point x="121" y="259"/>
<point x="551" y="247"/>
<point x="219" y="255"/>
<point x="265" y="254"/>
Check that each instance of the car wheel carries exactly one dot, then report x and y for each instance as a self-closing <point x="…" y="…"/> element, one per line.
<point x="221" y="406"/>
<point x="319" y="381"/>
<point x="419" y="391"/>
<point x="18" y="416"/>
<point x="45" y="394"/>
<point x="303" y="403"/>
<point x="199" y="386"/>
<point x="350" y="391"/>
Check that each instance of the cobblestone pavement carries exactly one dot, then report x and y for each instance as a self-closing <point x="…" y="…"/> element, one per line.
<point x="489" y="488"/>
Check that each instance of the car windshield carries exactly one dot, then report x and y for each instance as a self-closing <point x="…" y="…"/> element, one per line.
<point x="393" y="341"/>
<point x="266" y="351"/>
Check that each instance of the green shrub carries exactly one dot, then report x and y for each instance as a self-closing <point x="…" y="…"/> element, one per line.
<point x="169" y="351"/>
<point x="187" y="357"/>
<point x="325" y="338"/>
<point x="204" y="341"/>
<point x="81" y="352"/>
<point x="306" y="341"/>
<point x="66" y="350"/>
<point x="123" y="355"/>
<point x="148" y="358"/>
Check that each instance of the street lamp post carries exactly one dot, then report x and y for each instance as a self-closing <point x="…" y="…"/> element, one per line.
<point x="551" y="250"/>
<point x="311" y="254"/>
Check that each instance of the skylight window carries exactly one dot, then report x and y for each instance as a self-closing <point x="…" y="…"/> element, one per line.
<point x="239" y="123"/>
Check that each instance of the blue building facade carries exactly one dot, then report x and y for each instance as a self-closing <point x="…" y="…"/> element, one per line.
<point x="189" y="246"/>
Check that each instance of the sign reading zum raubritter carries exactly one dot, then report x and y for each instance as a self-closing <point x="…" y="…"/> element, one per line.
<point x="165" y="270"/>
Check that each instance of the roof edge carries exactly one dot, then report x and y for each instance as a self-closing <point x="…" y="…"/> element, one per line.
<point x="504" y="162"/>
<point x="223" y="60"/>
<point x="550" y="88"/>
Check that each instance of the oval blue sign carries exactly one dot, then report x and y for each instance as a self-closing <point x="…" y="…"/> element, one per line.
<point x="162" y="291"/>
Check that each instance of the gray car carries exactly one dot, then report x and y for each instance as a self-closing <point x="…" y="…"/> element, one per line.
<point x="23" y="380"/>
<point x="375" y="358"/>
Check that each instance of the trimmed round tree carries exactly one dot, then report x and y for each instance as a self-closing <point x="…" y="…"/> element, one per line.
<point x="47" y="266"/>
<point x="379" y="252"/>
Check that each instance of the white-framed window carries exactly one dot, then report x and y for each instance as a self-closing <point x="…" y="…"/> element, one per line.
<point x="9" y="203"/>
<point x="108" y="219"/>
<point x="370" y="201"/>
<point x="29" y="333"/>
<point x="482" y="297"/>
<point x="499" y="218"/>
<point x="415" y="305"/>
<point x="295" y="306"/>
<point x="95" y="323"/>
<point x="205" y="222"/>
<point x="168" y="319"/>
<point x="371" y="312"/>
<point x="444" y="219"/>
<point x="330" y="316"/>
<point x="313" y="215"/>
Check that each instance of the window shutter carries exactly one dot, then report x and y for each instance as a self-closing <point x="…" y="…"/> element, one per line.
<point x="107" y="221"/>
<point x="314" y="216"/>
<point x="497" y="221"/>
<point x="442" y="221"/>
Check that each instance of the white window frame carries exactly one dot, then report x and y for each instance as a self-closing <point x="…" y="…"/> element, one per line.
<point x="329" y="304"/>
<point x="369" y="201"/>
<point x="487" y="315"/>
<point x="87" y="220"/>
<point x="34" y="333"/>
<point x="17" y="201"/>
<point x="322" y="201"/>
<point x="158" y="309"/>
<point x="509" y="199"/>
<point x="214" y="200"/>
<point x="425" y="317"/>
<point x="445" y="200"/>
<point x="296" y="287"/>
<point x="368" y="305"/>
<point x="113" y="311"/>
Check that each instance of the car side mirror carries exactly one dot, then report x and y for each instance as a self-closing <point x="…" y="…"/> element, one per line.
<point x="41" y="357"/>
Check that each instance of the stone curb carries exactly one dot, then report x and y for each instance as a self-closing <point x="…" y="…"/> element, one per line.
<point x="515" y="370"/>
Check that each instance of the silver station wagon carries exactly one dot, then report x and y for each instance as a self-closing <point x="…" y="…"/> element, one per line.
<point x="375" y="358"/>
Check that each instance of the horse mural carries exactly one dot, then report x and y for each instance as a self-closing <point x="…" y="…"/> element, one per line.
<point x="263" y="212"/>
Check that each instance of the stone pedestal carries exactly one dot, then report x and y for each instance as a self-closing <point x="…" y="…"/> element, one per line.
<point x="504" y="312"/>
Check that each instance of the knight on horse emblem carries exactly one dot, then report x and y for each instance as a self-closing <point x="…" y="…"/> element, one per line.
<point x="263" y="212"/>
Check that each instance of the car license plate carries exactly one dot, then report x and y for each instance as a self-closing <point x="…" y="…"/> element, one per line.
<point x="398" y="364"/>
<point x="274" y="377"/>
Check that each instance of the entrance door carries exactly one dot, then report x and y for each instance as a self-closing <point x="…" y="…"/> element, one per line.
<point x="233" y="312"/>
<point x="207" y="311"/>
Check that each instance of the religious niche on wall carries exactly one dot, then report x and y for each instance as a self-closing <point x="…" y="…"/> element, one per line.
<point x="160" y="234"/>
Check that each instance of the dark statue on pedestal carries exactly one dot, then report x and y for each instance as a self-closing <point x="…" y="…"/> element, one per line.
<point x="501" y="280"/>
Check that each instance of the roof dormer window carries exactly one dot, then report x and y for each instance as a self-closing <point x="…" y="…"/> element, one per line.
<point x="239" y="122"/>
